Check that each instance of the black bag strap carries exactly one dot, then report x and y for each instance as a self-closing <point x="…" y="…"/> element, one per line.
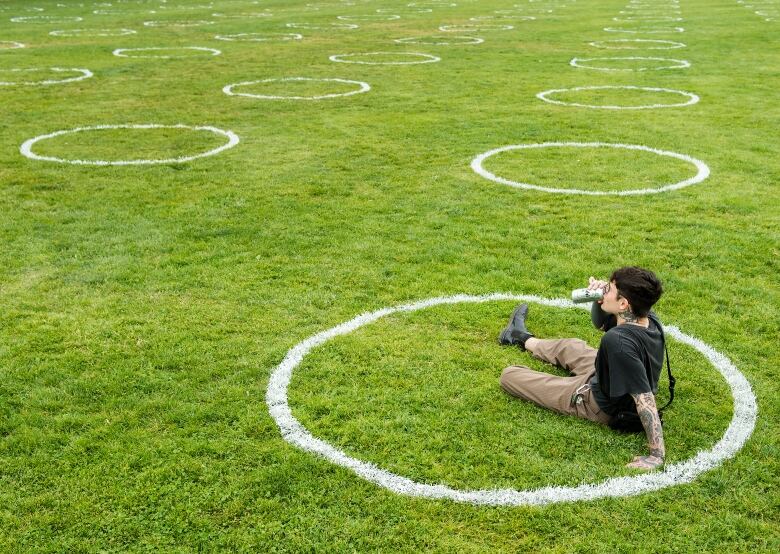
<point x="672" y="380"/>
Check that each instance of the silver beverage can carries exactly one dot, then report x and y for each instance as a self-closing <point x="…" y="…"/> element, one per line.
<point x="580" y="296"/>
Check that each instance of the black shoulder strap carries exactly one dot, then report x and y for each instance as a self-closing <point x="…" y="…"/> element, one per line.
<point x="672" y="380"/>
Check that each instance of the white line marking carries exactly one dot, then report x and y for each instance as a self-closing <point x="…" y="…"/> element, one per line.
<point x="120" y="52"/>
<point x="427" y="58"/>
<point x="362" y="87"/>
<point x="85" y="74"/>
<point x="638" y="43"/>
<point x="26" y="148"/>
<point x="739" y="430"/>
<point x="692" y="98"/>
<point x="703" y="170"/>
<point x="681" y="64"/>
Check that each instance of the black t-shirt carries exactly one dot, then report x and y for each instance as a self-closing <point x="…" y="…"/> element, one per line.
<point x="629" y="361"/>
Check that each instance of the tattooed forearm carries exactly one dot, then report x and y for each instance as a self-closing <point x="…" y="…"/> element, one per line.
<point x="648" y="413"/>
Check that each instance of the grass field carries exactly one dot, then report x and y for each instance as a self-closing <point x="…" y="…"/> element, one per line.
<point x="144" y="307"/>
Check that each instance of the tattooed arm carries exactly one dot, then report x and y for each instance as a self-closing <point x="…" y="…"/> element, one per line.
<point x="648" y="413"/>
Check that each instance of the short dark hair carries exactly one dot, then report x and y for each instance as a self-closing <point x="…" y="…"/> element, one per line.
<point x="639" y="286"/>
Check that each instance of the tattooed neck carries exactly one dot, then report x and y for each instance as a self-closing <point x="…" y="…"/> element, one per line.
<point x="629" y="317"/>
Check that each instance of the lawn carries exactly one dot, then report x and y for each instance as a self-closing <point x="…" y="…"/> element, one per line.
<point x="144" y="306"/>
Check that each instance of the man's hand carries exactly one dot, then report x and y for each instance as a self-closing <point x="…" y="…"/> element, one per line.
<point x="594" y="284"/>
<point x="646" y="463"/>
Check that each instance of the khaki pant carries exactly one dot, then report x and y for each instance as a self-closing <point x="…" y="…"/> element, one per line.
<point x="553" y="392"/>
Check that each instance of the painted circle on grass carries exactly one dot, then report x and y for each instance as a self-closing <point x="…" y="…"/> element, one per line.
<point x="46" y="19"/>
<point x="324" y="27"/>
<point x="502" y="18"/>
<point x="637" y="44"/>
<point x="242" y="15"/>
<point x="441" y="40"/>
<point x="91" y="32"/>
<point x="739" y="430"/>
<point x="10" y="45"/>
<point x="648" y="18"/>
<point x="192" y="23"/>
<point x="420" y="58"/>
<point x="474" y="28"/>
<point x="369" y="17"/>
<point x="123" y="52"/>
<point x="702" y="173"/>
<point x="653" y="31"/>
<point x="362" y="87"/>
<point x="259" y="37"/>
<point x="680" y="64"/>
<point x="26" y="148"/>
<point x="692" y="98"/>
<point x="82" y="74"/>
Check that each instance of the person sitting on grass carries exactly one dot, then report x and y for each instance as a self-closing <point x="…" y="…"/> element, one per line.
<point x="622" y="375"/>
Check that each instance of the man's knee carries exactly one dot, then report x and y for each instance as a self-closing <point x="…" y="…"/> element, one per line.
<point x="508" y="379"/>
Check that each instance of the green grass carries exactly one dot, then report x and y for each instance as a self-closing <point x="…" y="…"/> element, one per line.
<point x="144" y="307"/>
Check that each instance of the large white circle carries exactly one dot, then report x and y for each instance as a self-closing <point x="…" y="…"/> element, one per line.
<point x="242" y="15"/>
<point x="370" y="17"/>
<point x="474" y="28"/>
<point x="324" y="27"/>
<point x="654" y="31"/>
<point x="46" y="19"/>
<point x="26" y="147"/>
<point x="681" y="64"/>
<point x="91" y="32"/>
<point x="84" y="74"/>
<point x="259" y="37"/>
<point x="13" y="45"/>
<point x="648" y="18"/>
<point x="703" y="170"/>
<point x="502" y="18"/>
<point x="189" y="23"/>
<point x="692" y="98"/>
<point x="362" y="87"/>
<point x="440" y="40"/>
<point x="427" y="58"/>
<point x="121" y="52"/>
<point x="638" y="42"/>
<point x="739" y="430"/>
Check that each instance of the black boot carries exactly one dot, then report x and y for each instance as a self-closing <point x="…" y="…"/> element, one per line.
<point x="515" y="332"/>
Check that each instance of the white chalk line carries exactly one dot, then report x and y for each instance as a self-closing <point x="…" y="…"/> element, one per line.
<point x="739" y="430"/>
<point x="369" y="17"/>
<point x="441" y="40"/>
<point x="474" y="28"/>
<point x="427" y="58"/>
<point x="653" y="31"/>
<point x="362" y="87"/>
<point x="703" y="170"/>
<point x="26" y="148"/>
<point x="681" y="64"/>
<point x="13" y="43"/>
<point x="259" y="37"/>
<point x="502" y="18"/>
<point x="639" y="43"/>
<point x="692" y="98"/>
<point x="315" y="27"/>
<point x="46" y="19"/>
<point x="91" y="32"/>
<point x="638" y="18"/>
<point x="192" y="23"/>
<point x="84" y="74"/>
<point x="121" y="52"/>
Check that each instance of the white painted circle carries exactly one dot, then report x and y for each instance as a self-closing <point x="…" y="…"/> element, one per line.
<point x="739" y="430"/>
<point x="502" y="18"/>
<point x="692" y="98"/>
<point x="369" y="17"/>
<point x="474" y="28"/>
<point x="46" y="19"/>
<point x="315" y="27"/>
<point x="91" y="32"/>
<point x="426" y="58"/>
<point x="259" y="37"/>
<point x="193" y="23"/>
<point x="654" y="31"/>
<point x="123" y="52"/>
<point x="637" y="43"/>
<point x="431" y="4"/>
<point x="241" y="15"/>
<point x="703" y="170"/>
<point x="10" y="45"/>
<point x="362" y="87"/>
<point x="680" y="64"/>
<point x="83" y="74"/>
<point x="26" y="147"/>
<point x="648" y="18"/>
<point x="406" y="11"/>
<point x="441" y="40"/>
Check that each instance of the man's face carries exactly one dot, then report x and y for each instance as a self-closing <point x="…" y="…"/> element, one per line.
<point x="612" y="302"/>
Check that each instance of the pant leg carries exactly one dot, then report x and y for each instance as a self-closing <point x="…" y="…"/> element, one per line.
<point x="552" y="392"/>
<point x="573" y="355"/>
